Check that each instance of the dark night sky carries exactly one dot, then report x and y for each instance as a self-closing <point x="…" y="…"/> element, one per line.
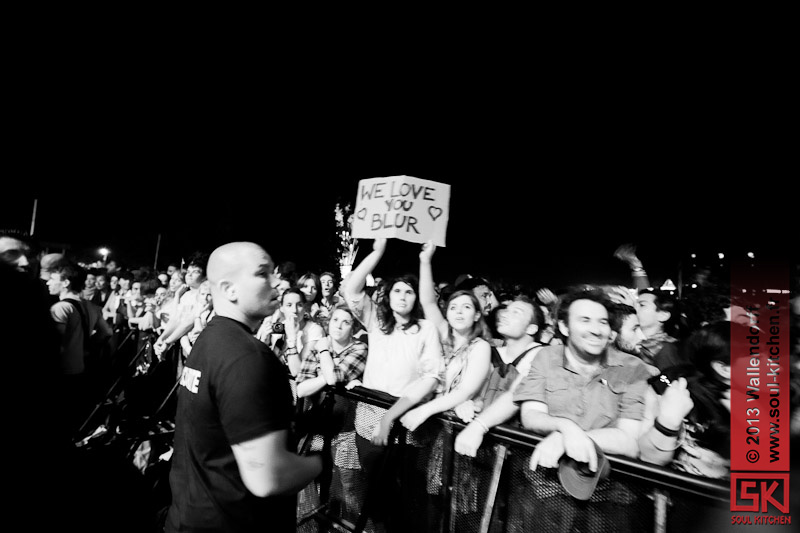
<point x="539" y="195"/>
<point x="533" y="228"/>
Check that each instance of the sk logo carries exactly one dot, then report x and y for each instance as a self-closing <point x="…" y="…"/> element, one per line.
<point x="763" y="490"/>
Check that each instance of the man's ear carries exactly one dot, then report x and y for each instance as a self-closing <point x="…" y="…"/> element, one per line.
<point x="532" y="330"/>
<point x="563" y="328"/>
<point x="724" y="370"/>
<point x="65" y="284"/>
<point x="614" y="335"/>
<point x="228" y="289"/>
<point x="663" y="316"/>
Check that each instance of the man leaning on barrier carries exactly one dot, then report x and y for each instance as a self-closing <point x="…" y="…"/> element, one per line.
<point x="577" y="395"/>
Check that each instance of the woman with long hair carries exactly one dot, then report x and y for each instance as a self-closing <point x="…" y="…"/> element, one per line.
<point x="405" y="359"/>
<point x="467" y="354"/>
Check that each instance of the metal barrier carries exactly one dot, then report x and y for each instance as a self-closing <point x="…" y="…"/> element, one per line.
<point x="420" y="484"/>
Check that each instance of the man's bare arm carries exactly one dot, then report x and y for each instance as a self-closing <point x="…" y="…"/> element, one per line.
<point x="268" y="468"/>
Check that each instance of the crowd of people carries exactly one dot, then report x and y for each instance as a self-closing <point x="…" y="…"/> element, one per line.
<point x="636" y="371"/>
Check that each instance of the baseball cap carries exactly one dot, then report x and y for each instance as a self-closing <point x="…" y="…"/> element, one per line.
<point x="577" y="479"/>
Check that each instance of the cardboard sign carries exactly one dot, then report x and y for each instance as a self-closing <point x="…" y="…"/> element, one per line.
<point x="402" y="207"/>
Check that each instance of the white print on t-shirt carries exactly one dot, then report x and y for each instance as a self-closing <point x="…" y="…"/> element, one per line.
<point x="190" y="378"/>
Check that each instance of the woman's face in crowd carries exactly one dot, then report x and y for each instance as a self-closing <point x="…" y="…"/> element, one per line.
<point x="136" y="290"/>
<point x="340" y="326"/>
<point x="205" y="291"/>
<point x="462" y="314"/>
<point x="282" y="286"/>
<point x="293" y="304"/>
<point x="175" y="281"/>
<point x="402" y="298"/>
<point x="161" y="295"/>
<point x="101" y="282"/>
<point x="113" y="282"/>
<point x="327" y="285"/>
<point x="194" y="277"/>
<point x="309" y="288"/>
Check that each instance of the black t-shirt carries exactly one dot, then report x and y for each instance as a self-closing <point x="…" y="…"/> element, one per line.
<point x="233" y="389"/>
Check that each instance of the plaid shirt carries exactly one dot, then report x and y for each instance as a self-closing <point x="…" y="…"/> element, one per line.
<point x="348" y="365"/>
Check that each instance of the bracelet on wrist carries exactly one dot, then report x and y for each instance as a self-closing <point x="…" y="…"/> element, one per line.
<point x="659" y="448"/>
<point x="665" y="431"/>
<point x="482" y="424"/>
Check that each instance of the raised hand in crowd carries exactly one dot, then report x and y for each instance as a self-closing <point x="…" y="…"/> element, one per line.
<point x="546" y="296"/>
<point x="627" y="254"/>
<point x="621" y="295"/>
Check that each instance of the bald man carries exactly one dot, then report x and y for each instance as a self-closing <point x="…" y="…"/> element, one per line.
<point x="232" y="468"/>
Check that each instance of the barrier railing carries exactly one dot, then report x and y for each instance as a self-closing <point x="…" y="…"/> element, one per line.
<point x="432" y="488"/>
<point x="424" y="485"/>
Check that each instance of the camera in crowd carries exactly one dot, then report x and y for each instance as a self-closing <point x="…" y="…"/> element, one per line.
<point x="663" y="380"/>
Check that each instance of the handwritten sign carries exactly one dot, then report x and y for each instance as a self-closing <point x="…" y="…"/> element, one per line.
<point x="403" y="207"/>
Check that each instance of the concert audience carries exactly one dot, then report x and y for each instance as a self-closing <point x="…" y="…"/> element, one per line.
<point x="650" y="368"/>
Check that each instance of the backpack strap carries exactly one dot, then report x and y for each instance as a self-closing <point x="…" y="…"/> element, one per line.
<point x="516" y="361"/>
<point x="497" y="361"/>
<point x="501" y="366"/>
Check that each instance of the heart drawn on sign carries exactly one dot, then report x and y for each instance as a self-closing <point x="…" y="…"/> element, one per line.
<point x="435" y="212"/>
<point x="362" y="213"/>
